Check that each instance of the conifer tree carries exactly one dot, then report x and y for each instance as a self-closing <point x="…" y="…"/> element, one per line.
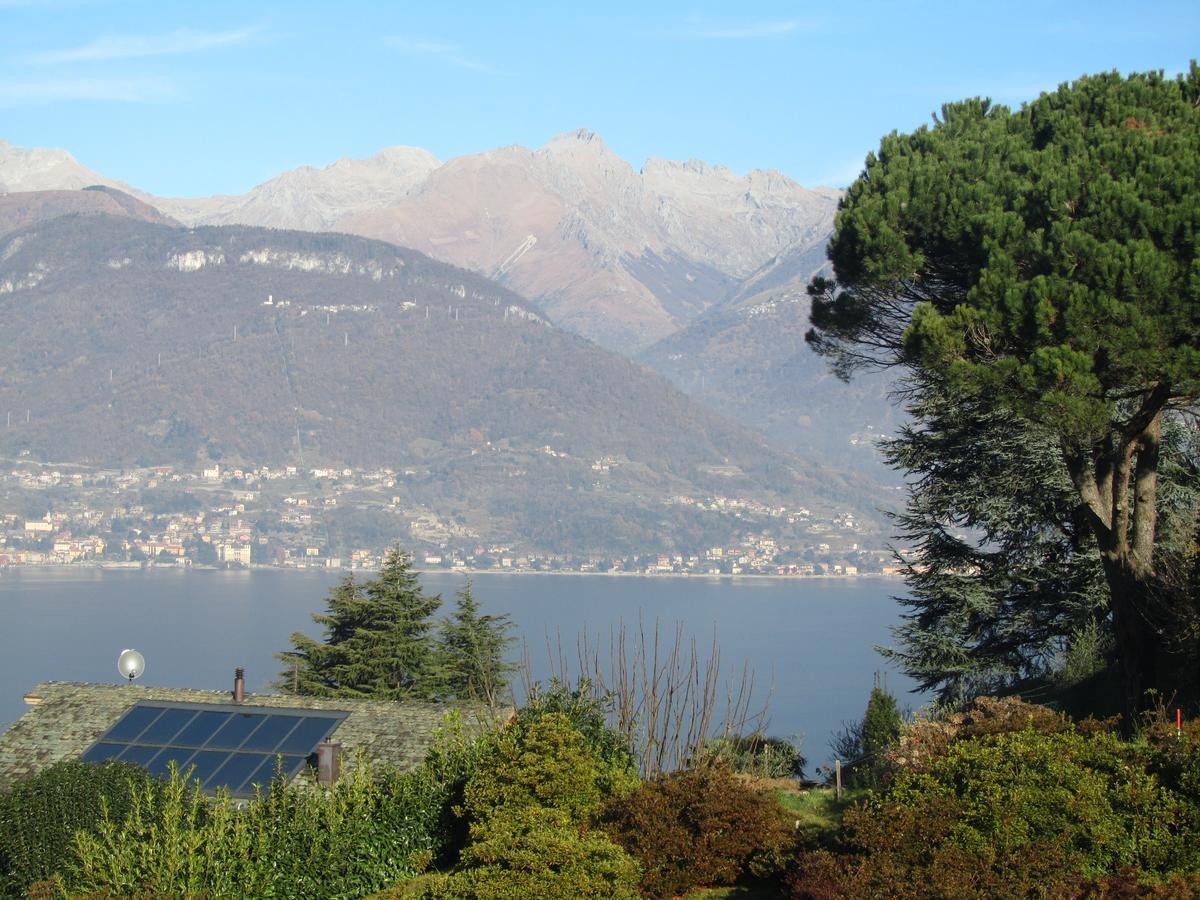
<point x="880" y="726"/>
<point x="1045" y="260"/>
<point x="473" y="648"/>
<point x="378" y="640"/>
<point x="1000" y="570"/>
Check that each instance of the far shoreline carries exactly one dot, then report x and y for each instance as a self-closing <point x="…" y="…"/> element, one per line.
<point x="66" y="568"/>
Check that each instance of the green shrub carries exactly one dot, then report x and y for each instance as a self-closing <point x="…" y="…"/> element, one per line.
<point x="754" y="754"/>
<point x="880" y="726"/>
<point x="290" y="841"/>
<point x="452" y="760"/>
<point x="532" y="852"/>
<point x="531" y="792"/>
<point x="1011" y="814"/>
<point x="40" y="815"/>
<point x="546" y="763"/>
<point x="586" y="710"/>
<point x="696" y="827"/>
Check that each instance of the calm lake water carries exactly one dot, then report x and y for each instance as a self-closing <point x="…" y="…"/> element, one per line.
<point x="811" y="640"/>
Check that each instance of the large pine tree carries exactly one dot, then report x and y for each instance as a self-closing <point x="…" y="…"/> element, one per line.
<point x="1045" y="261"/>
<point x="379" y="640"/>
<point x="473" y="648"/>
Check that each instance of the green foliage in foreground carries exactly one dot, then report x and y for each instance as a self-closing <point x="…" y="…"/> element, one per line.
<point x="533" y="853"/>
<point x="697" y="827"/>
<point x="534" y="790"/>
<point x="40" y="815"/>
<point x="548" y="764"/>
<point x="293" y="841"/>
<point x="980" y="810"/>
<point x="587" y="710"/>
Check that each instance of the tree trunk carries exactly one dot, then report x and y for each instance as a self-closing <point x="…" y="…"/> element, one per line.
<point x="1141" y="648"/>
<point x="1118" y="490"/>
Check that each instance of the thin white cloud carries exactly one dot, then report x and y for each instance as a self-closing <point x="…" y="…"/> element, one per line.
<point x="38" y="93"/>
<point x="448" y="53"/>
<point x="743" y="30"/>
<point x="138" y="46"/>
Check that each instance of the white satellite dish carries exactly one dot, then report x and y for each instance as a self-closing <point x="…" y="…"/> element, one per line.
<point x="131" y="664"/>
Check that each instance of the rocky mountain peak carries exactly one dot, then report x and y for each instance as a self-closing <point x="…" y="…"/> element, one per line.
<point x="42" y="168"/>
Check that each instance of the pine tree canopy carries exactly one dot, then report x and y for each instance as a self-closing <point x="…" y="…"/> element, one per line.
<point x="1043" y="263"/>
<point x="473" y="648"/>
<point x="378" y="640"/>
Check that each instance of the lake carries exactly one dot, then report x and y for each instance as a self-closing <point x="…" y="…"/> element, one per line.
<point x="811" y="640"/>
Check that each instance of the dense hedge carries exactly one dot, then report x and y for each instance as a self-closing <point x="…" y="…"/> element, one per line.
<point x="533" y="852"/>
<point x="40" y="815"/>
<point x="358" y="837"/>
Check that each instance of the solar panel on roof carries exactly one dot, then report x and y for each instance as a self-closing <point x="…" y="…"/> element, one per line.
<point x="225" y="746"/>
<point x="201" y="728"/>
<point x="238" y="727"/>
<point x="134" y="723"/>
<point x="166" y="726"/>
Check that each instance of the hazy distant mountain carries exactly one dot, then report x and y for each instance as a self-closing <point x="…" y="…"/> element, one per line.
<point x="28" y="207"/>
<point x="747" y="359"/>
<point x="39" y="169"/>
<point x="694" y="270"/>
<point x="314" y="199"/>
<point x="132" y="342"/>
<point x="622" y="257"/>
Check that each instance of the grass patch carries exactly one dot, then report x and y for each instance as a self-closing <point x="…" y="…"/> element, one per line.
<point x="818" y="809"/>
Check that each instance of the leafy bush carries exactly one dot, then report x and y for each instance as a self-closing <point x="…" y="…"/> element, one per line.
<point x="1010" y="814"/>
<point x="40" y="815"/>
<point x="534" y="852"/>
<point x="753" y="754"/>
<point x="291" y="841"/>
<point x="925" y="739"/>
<point x="587" y="712"/>
<point x="530" y="793"/>
<point x="451" y="761"/>
<point x="545" y="763"/>
<point x="696" y="827"/>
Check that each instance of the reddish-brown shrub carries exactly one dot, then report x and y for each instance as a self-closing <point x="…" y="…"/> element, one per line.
<point x="1125" y="885"/>
<point x="695" y="828"/>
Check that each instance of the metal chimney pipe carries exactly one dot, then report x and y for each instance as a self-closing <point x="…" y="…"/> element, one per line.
<point x="239" y="684"/>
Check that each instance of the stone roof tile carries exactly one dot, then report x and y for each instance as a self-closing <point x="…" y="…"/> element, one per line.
<point x="66" y="718"/>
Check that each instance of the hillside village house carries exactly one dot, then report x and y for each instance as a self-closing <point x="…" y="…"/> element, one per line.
<point x="232" y="739"/>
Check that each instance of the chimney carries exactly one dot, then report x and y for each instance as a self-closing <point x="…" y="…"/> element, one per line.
<point x="329" y="762"/>
<point x="239" y="684"/>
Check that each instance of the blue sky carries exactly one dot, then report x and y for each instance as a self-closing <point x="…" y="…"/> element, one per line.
<point x="200" y="98"/>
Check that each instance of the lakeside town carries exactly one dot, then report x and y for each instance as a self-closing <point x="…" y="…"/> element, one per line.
<point x="288" y="517"/>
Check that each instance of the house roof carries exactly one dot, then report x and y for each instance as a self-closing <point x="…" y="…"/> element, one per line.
<point x="66" y="718"/>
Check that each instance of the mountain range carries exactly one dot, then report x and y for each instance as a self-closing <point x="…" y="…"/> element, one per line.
<point x="622" y="257"/>
<point x="684" y="267"/>
<point x="136" y="342"/>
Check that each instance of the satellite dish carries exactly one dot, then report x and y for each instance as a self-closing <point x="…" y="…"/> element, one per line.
<point x="131" y="664"/>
